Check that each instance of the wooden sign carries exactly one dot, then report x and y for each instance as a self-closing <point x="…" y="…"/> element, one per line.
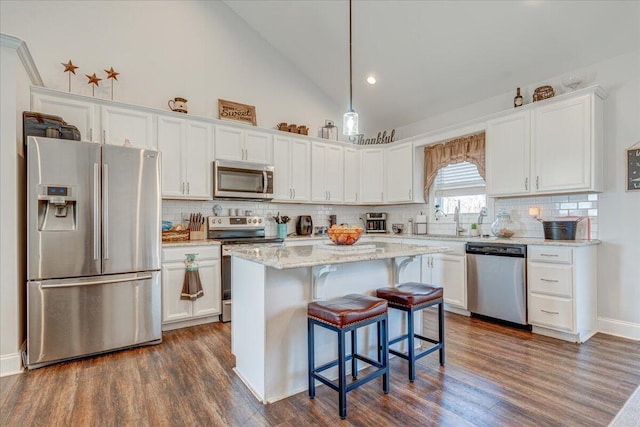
<point x="234" y="111"/>
<point x="633" y="168"/>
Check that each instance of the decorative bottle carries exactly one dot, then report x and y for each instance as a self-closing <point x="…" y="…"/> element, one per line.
<point x="503" y="226"/>
<point x="517" y="101"/>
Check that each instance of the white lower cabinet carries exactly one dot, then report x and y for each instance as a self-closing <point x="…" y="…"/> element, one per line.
<point x="177" y="312"/>
<point x="561" y="284"/>
<point x="448" y="270"/>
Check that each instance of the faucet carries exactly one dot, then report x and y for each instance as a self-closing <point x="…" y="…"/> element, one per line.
<point x="456" y="217"/>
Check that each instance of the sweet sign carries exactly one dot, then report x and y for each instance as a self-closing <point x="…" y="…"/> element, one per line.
<point x="234" y="111"/>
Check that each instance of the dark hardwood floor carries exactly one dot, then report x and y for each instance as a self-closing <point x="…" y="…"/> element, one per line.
<point x="494" y="376"/>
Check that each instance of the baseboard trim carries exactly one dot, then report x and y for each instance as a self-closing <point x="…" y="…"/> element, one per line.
<point x="619" y="328"/>
<point x="10" y="364"/>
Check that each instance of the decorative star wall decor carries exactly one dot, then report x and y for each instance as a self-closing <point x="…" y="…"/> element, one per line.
<point x="111" y="74"/>
<point x="93" y="80"/>
<point x="69" y="68"/>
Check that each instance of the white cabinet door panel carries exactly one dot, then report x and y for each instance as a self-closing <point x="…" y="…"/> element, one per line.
<point x="229" y="143"/>
<point x="174" y="308"/>
<point x="199" y="160"/>
<point x="562" y="145"/>
<point x="372" y="175"/>
<point x="351" y="175"/>
<point x="209" y="303"/>
<point x="257" y="147"/>
<point x="83" y="115"/>
<point x="171" y="140"/>
<point x="120" y="124"/>
<point x="282" y="164"/>
<point x="507" y="155"/>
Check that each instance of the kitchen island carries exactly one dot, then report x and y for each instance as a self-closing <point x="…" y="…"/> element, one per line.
<point x="271" y="287"/>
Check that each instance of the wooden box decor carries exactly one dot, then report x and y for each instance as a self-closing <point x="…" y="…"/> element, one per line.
<point x="543" y="92"/>
<point x="229" y="110"/>
<point x="292" y="128"/>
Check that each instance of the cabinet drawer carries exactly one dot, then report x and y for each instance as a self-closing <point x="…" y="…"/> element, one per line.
<point x="550" y="311"/>
<point x="550" y="254"/>
<point x="551" y="279"/>
<point x="178" y="253"/>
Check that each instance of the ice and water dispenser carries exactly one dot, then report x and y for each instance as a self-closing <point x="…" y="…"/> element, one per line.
<point x="57" y="209"/>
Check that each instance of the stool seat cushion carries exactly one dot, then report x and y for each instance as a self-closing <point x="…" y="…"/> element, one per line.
<point x="411" y="294"/>
<point x="347" y="310"/>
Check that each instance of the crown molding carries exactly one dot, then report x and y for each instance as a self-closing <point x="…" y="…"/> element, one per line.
<point x="22" y="50"/>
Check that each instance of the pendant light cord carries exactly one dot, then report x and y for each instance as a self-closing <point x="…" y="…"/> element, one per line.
<point x="350" y="64"/>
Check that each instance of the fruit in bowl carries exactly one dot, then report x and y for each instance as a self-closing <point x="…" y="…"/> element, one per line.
<point x="344" y="235"/>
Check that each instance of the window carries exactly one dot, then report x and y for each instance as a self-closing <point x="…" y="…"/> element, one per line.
<point x="460" y="182"/>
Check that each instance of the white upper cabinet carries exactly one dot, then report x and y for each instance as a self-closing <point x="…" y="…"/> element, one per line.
<point x="171" y="142"/>
<point x="565" y="147"/>
<point x="83" y="115"/>
<point x="399" y="174"/>
<point x="292" y="163"/>
<point x="120" y="124"/>
<point x="186" y="158"/>
<point x="372" y="175"/>
<point x="507" y="155"/>
<point x="327" y="172"/>
<point x="242" y="145"/>
<point x="351" y="175"/>
<point x="199" y="160"/>
<point x="555" y="147"/>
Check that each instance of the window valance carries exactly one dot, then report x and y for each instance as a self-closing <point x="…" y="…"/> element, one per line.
<point x="469" y="148"/>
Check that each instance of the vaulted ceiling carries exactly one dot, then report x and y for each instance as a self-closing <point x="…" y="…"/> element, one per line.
<point x="434" y="56"/>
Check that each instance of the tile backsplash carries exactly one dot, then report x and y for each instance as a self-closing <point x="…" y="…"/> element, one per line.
<point x="177" y="210"/>
<point x="550" y="207"/>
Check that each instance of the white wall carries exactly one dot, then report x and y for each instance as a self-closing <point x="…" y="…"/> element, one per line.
<point x="15" y="96"/>
<point x="201" y="51"/>
<point x="618" y="211"/>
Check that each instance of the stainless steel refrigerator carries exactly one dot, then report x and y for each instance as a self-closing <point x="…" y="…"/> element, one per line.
<point x="93" y="249"/>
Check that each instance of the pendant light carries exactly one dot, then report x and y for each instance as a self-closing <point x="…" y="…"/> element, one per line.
<point x="350" y="118"/>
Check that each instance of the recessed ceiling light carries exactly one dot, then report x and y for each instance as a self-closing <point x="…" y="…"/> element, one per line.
<point x="371" y="80"/>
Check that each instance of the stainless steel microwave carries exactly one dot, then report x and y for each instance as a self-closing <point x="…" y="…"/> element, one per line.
<point x="242" y="181"/>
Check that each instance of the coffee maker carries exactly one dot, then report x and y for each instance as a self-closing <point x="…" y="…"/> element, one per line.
<point x="304" y="225"/>
<point x="375" y="222"/>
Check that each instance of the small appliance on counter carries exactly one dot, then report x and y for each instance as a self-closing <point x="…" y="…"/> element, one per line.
<point x="420" y="224"/>
<point x="375" y="222"/>
<point x="304" y="225"/>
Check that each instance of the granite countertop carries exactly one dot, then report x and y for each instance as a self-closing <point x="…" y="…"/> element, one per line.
<point x="438" y="237"/>
<point x="463" y="239"/>
<point x="205" y="242"/>
<point x="281" y="257"/>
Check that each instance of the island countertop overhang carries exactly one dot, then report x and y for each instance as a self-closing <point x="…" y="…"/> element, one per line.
<point x="282" y="257"/>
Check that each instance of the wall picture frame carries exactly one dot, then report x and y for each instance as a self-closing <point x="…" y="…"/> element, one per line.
<point x="632" y="162"/>
<point x="229" y="110"/>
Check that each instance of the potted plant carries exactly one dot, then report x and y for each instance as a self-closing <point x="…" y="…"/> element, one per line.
<point x="474" y="230"/>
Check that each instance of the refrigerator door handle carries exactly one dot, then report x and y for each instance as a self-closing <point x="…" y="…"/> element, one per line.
<point x="96" y="211"/>
<point x="96" y="282"/>
<point x="105" y="210"/>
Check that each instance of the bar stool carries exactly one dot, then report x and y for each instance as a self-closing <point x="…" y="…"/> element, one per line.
<point x="410" y="298"/>
<point x="343" y="315"/>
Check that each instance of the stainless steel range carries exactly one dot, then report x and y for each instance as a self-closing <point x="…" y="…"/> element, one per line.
<point x="235" y="230"/>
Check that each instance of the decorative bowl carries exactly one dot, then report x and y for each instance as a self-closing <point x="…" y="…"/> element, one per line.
<point x="344" y="235"/>
<point x="397" y="228"/>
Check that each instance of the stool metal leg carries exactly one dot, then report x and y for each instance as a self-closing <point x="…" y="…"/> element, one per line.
<point x="342" y="377"/>
<point x="354" y="350"/>
<point x="410" y="343"/>
<point x="311" y="359"/>
<point x="441" y="331"/>
<point x="383" y="354"/>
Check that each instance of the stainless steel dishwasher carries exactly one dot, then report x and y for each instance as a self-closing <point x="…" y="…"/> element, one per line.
<point x="496" y="281"/>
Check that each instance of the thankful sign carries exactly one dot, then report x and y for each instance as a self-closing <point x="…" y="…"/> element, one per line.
<point x="234" y="111"/>
<point x="382" y="138"/>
